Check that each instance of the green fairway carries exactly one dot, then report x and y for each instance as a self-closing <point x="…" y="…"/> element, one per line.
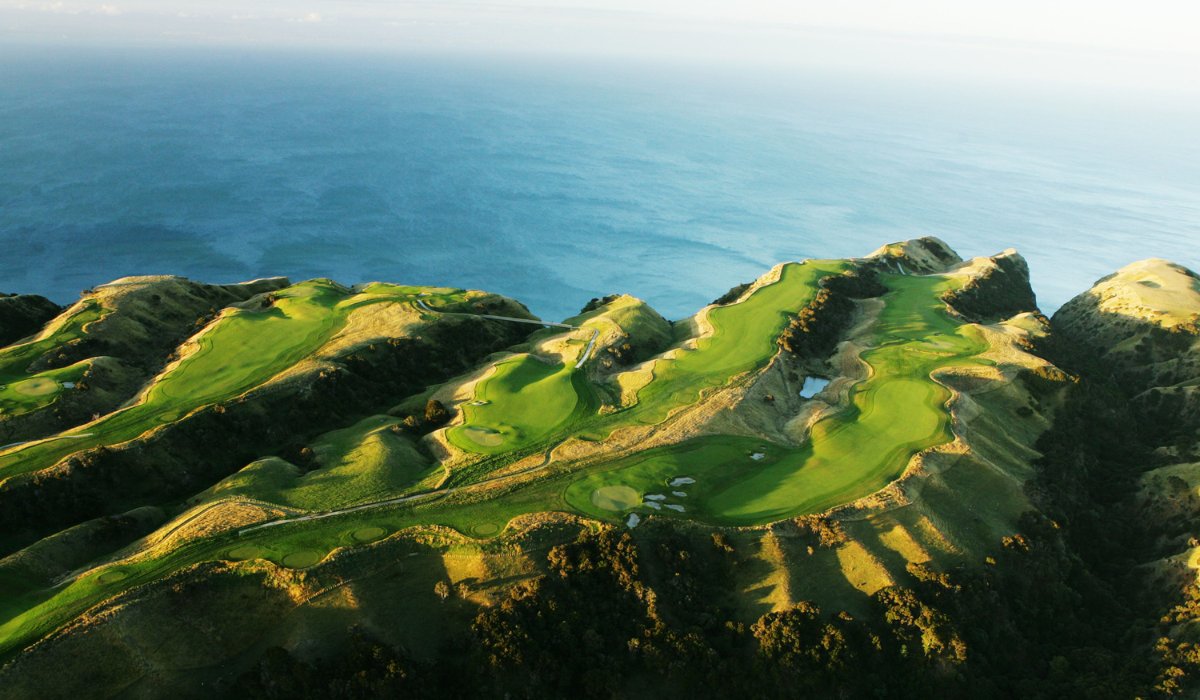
<point x="21" y="392"/>
<point x="525" y="407"/>
<point x="897" y="412"/>
<point x="238" y="352"/>
<point x="743" y="339"/>
<point x="526" y="399"/>
<point x="712" y="462"/>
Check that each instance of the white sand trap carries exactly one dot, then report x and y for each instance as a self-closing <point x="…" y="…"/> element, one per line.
<point x="484" y="436"/>
<point x="615" y="498"/>
<point x="674" y="507"/>
<point x="757" y="456"/>
<point x="653" y="504"/>
<point x="680" y="494"/>
<point x="36" y="387"/>
<point x="633" y="520"/>
<point x="681" y="481"/>
<point x="655" y="497"/>
<point x="68" y="385"/>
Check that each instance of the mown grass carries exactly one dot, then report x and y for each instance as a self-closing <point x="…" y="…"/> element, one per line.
<point x="15" y="360"/>
<point x="897" y="412"/>
<point x="743" y="339"/>
<point x="364" y="463"/>
<point x="241" y="350"/>
<point x="527" y="400"/>
<point x="29" y="614"/>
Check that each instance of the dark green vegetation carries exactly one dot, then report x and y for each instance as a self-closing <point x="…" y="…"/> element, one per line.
<point x="1000" y="292"/>
<point x="314" y="491"/>
<point x="897" y="412"/>
<point x="24" y="314"/>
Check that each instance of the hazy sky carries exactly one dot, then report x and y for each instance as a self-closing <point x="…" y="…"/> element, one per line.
<point x="1147" y="43"/>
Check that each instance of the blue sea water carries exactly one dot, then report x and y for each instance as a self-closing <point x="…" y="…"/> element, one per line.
<point x="554" y="182"/>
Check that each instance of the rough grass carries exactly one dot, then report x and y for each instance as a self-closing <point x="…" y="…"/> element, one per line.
<point x="897" y="412"/>
<point x="360" y="464"/>
<point x="743" y="339"/>
<point x="239" y="351"/>
<point x="15" y="360"/>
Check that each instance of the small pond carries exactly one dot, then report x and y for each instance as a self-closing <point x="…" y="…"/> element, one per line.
<point x="813" y="386"/>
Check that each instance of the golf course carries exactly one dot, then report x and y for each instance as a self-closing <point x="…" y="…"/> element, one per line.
<point x="536" y="429"/>
<point x="898" y="411"/>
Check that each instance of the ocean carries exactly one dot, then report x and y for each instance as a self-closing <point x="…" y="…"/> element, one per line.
<point x="554" y="181"/>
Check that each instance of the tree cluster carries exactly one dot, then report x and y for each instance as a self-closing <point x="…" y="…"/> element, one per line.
<point x="732" y="295"/>
<point x="999" y="293"/>
<point x="190" y="454"/>
<point x="23" y="315"/>
<point x="815" y="331"/>
<point x="598" y="303"/>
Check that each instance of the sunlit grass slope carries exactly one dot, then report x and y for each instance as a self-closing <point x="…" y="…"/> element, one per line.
<point x="24" y="392"/>
<point x="743" y="339"/>
<point x="524" y="399"/>
<point x="897" y="412"/>
<point x="239" y="351"/>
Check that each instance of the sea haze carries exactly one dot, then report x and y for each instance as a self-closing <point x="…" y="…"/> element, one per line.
<point x="555" y="182"/>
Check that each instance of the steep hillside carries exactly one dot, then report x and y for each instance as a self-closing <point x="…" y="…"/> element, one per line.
<point x="22" y="315"/>
<point x="879" y="476"/>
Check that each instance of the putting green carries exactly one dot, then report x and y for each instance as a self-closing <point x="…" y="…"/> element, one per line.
<point x="245" y="552"/>
<point x="485" y="529"/>
<point x="40" y="386"/>
<point x="616" y="498"/>
<point x="302" y="559"/>
<point x="527" y="399"/>
<point x="111" y="577"/>
<point x="484" y="436"/>
<point x="369" y="534"/>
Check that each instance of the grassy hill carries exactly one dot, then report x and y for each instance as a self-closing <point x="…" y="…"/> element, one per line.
<point x="277" y="460"/>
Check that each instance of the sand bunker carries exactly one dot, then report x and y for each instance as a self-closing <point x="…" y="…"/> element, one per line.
<point x="653" y="504"/>
<point x="674" y="507"/>
<point x="615" y="498"/>
<point x="484" y="436"/>
<point x="39" y="386"/>
<point x="368" y="534"/>
<point x="246" y="551"/>
<point x="681" y="481"/>
<point x="655" y="497"/>
<point x="680" y="494"/>
<point x="302" y="559"/>
<point x="757" y="456"/>
<point x="633" y="520"/>
<point x="111" y="577"/>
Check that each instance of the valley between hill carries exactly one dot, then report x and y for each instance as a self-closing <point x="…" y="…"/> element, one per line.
<point x="271" y="465"/>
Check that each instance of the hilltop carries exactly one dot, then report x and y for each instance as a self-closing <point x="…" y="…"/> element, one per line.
<point x="214" y="488"/>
